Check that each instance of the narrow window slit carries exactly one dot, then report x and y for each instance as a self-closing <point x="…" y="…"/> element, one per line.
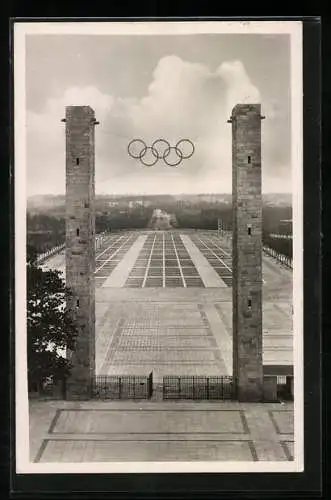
<point x="250" y="303"/>
<point x="249" y="230"/>
<point x="249" y="159"/>
<point x="77" y="302"/>
<point x="77" y="161"/>
<point x="77" y="232"/>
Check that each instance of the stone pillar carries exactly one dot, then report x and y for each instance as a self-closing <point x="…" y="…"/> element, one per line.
<point x="247" y="251"/>
<point x="80" y="245"/>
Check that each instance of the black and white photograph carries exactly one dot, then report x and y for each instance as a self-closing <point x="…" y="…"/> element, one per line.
<point x="158" y="246"/>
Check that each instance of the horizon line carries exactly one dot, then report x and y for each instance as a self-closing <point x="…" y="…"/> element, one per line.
<point x="162" y="194"/>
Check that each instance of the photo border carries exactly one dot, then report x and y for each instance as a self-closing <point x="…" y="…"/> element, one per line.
<point x="311" y="140"/>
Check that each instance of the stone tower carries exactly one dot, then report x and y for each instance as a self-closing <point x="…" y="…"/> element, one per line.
<point x="247" y="251"/>
<point x="80" y="244"/>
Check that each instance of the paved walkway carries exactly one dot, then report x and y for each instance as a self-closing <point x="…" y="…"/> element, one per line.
<point x="222" y="333"/>
<point x="99" y="431"/>
<point x="121" y="272"/>
<point x="180" y="331"/>
<point x="273" y="272"/>
<point x="208" y="275"/>
<point x="213" y="251"/>
<point x="172" y="259"/>
<point x="179" y="327"/>
<point x="166" y="338"/>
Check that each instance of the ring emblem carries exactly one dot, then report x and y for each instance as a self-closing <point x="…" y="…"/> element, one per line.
<point x="161" y="150"/>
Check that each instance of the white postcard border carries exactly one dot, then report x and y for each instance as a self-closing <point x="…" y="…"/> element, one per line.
<point x="21" y="29"/>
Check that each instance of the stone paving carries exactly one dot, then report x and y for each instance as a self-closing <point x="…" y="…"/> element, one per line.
<point x="208" y="274"/>
<point x="177" y="333"/>
<point x="167" y="431"/>
<point x="170" y="259"/>
<point x="120" y="274"/>
<point x="217" y="256"/>
<point x="164" y="261"/>
<point x="110" y="257"/>
<point x="157" y="311"/>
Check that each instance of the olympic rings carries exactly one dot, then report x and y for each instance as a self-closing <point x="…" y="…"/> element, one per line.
<point x="161" y="150"/>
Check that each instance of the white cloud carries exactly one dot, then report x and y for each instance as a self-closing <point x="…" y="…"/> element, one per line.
<point x="176" y="102"/>
<point x="240" y="89"/>
<point x="183" y="100"/>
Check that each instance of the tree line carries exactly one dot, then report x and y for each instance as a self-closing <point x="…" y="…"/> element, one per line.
<point x="205" y="218"/>
<point x="137" y="218"/>
<point x="46" y="231"/>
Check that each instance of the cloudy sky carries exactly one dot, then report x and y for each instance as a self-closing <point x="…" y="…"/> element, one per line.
<point x="148" y="87"/>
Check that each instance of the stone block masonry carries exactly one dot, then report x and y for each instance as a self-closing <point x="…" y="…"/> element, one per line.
<point x="247" y="251"/>
<point x="80" y="244"/>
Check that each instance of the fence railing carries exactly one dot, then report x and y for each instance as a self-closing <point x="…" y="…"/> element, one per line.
<point x="114" y="387"/>
<point x="122" y="387"/>
<point x="197" y="387"/>
<point x="283" y="259"/>
<point x="46" y="255"/>
<point x="99" y="239"/>
<point x="281" y="236"/>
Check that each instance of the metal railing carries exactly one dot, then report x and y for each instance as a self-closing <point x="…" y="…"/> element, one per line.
<point x="122" y="387"/>
<point x="279" y="257"/>
<point x="46" y="255"/>
<point x="281" y="236"/>
<point x="283" y="259"/>
<point x="126" y="387"/>
<point x="198" y="387"/>
<point x="99" y="239"/>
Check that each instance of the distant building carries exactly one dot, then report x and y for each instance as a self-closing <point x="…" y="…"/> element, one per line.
<point x="138" y="203"/>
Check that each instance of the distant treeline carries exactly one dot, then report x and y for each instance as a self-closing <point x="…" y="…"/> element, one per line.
<point x="137" y="218"/>
<point x="47" y="231"/>
<point x="275" y="219"/>
<point x="272" y="218"/>
<point x="204" y="219"/>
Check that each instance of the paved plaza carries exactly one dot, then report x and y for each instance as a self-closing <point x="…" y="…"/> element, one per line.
<point x="179" y="332"/>
<point x="170" y="259"/>
<point x="164" y="305"/>
<point x="98" y="431"/>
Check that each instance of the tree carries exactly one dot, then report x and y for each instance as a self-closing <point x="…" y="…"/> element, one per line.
<point x="50" y="329"/>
